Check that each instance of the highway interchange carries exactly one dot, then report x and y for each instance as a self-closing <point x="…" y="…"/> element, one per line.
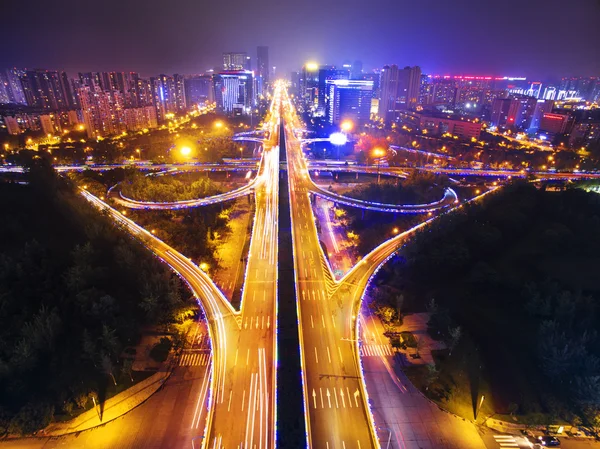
<point x="232" y="399"/>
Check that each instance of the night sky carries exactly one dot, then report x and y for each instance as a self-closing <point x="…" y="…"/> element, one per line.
<point x="533" y="38"/>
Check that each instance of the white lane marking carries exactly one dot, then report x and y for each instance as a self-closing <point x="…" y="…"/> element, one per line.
<point x="337" y="405"/>
<point x="321" y="393"/>
<point x="312" y="323"/>
<point x="341" y="358"/>
<point x="328" y="354"/>
<point x="236" y="354"/>
<point x="329" y="397"/>
<point x="333" y="320"/>
<point x="248" y="356"/>
<point x="243" y="399"/>
<point x="323" y="320"/>
<point x="316" y="356"/>
<point x="314" y="395"/>
<point x="229" y="404"/>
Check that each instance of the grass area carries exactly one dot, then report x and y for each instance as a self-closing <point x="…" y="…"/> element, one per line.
<point x="232" y="250"/>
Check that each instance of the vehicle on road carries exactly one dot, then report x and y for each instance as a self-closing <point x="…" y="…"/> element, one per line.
<point x="549" y="441"/>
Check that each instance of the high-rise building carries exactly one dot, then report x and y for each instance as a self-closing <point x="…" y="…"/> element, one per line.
<point x="579" y="87"/>
<point x="504" y="112"/>
<point x="349" y="100"/>
<point x="139" y="118"/>
<point x="179" y="92"/>
<point x="399" y="90"/>
<point x="11" y="89"/>
<point x="234" y="92"/>
<point x="262" y="68"/>
<point x="48" y="124"/>
<point x="49" y="90"/>
<point x="295" y="83"/>
<point x="357" y="70"/>
<point x="99" y="115"/>
<point x="235" y="61"/>
<point x="199" y="90"/>
<point x="309" y="84"/>
<point x="554" y="123"/>
<point x="12" y="126"/>
<point x="327" y="73"/>
<point x="541" y="107"/>
<point x="164" y="96"/>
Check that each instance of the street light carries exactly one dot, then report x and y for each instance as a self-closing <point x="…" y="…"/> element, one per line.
<point x="218" y="124"/>
<point x="185" y="151"/>
<point x="378" y="153"/>
<point x="347" y="126"/>
<point x="241" y="152"/>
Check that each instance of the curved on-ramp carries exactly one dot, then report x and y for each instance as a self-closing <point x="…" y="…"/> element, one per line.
<point x="117" y="196"/>
<point x="450" y="197"/>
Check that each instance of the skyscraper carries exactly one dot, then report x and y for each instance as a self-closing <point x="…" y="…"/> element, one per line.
<point x="262" y="68"/>
<point x="504" y="112"/>
<point x="164" y="96"/>
<point x="357" y="68"/>
<point x="179" y="92"/>
<point x="234" y="61"/>
<point x="11" y="88"/>
<point x="46" y="89"/>
<point x="199" y="90"/>
<point x="309" y="84"/>
<point x="349" y="100"/>
<point x="234" y="93"/>
<point x="541" y="107"/>
<point x="399" y="90"/>
<point x="328" y="73"/>
<point x="99" y="114"/>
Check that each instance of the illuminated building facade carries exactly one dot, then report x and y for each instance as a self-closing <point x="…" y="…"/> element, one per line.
<point x="235" y="61"/>
<point x="234" y="92"/>
<point x="349" y="100"/>
<point x="326" y="74"/>
<point x="400" y="90"/>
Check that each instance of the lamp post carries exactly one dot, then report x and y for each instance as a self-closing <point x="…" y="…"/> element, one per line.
<point x="378" y="153"/>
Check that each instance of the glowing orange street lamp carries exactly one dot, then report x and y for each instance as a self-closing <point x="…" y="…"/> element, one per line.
<point x="347" y="126"/>
<point x="378" y="153"/>
<point x="185" y="151"/>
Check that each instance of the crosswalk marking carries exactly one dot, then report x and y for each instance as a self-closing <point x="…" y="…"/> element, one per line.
<point x="375" y="350"/>
<point x="506" y="441"/>
<point x="194" y="359"/>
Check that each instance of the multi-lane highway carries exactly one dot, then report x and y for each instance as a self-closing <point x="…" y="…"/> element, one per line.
<point x="242" y="387"/>
<point x="336" y="407"/>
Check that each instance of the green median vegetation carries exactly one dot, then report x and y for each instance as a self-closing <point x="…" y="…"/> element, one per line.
<point x="75" y="292"/>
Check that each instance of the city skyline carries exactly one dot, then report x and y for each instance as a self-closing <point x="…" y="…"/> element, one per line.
<point x="406" y="34"/>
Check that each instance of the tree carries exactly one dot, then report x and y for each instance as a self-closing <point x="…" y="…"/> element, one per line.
<point x="455" y="333"/>
<point x="107" y="367"/>
<point x="399" y="304"/>
<point x="431" y="376"/>
<point x="386" y="313"/>
<point x="81" y="400"/>
<point x="31" y="417"/>
<point x="126" y="368"/>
